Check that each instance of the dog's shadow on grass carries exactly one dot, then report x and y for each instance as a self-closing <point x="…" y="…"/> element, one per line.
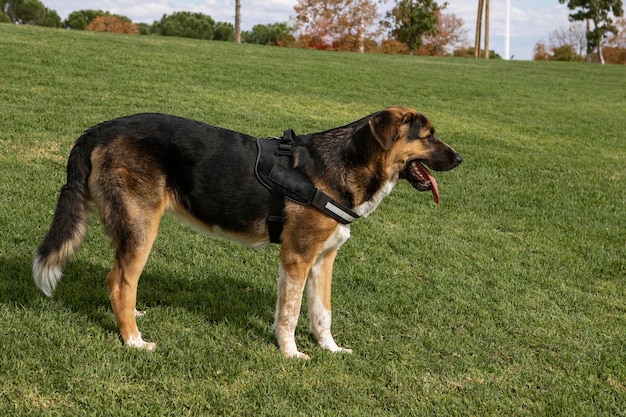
<point x="215" y="297"/>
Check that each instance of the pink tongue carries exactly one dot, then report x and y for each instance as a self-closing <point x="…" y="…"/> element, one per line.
<point x="434" y="189"/>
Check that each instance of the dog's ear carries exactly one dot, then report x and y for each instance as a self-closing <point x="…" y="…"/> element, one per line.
<point x="386" y="124"/>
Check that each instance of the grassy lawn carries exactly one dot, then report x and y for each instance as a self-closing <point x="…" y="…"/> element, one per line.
<point x="507" y="299"/>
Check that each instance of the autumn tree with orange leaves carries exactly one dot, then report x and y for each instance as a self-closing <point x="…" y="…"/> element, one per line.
<point x="336" y="24"/>
<point x="448" y="36"/>
<point x="114" y="24"/>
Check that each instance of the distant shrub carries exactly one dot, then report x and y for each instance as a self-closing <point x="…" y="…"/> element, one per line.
<point x="113" y="24"/>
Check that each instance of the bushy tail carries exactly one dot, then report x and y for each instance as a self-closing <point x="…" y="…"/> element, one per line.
<point x="70" y="221"/>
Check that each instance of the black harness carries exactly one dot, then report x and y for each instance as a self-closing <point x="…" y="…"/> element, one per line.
<point x="273" y="169"/>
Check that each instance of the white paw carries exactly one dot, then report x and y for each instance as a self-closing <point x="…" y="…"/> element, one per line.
<point x="139" y="313"/>
<point x="337" y="349"/>
<point x="295" y="354"/>
<point x="139" y="343"/>
<point x="328" y="343"/>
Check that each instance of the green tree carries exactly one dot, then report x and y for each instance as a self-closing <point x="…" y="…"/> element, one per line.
<point x="29" y="12"/>
<point x="599" y="12"/>
<point x="565" y="53"/>
<point x="144" y="28"/>
<point x="185" y="25"/>
<point x="79" y="20"/>
<point x="411" y="20"/>
<point x="223" y="31"/>
<point x="50" y="18"/>
<point x="271" y="34"/>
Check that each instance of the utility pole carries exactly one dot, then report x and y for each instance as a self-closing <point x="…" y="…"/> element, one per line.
<point x="507" y="31"/>
<point x="237" y="21"/>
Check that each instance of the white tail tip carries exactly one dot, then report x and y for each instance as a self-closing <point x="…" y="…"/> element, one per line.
<point x="46" y="278"/>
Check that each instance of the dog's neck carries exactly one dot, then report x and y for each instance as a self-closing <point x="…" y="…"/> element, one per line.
<point x="346" y="163"/>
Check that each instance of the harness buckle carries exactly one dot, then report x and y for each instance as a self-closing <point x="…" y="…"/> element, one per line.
<point x="275" y="219"/>
<point x="284" y="149"/>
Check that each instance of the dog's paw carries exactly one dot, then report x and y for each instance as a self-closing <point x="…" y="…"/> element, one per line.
<point x="296" y="355"/>
<point x="139" y="343"/>
<point x="300" y="355"/>
<point x="329" y="344"/>
<point x="140" y="313"/>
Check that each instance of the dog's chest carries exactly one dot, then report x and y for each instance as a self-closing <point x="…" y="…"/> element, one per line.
<point x="366" y="208"/>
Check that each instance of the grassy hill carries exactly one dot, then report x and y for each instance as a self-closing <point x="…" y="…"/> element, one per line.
<point x="508" y="299"/>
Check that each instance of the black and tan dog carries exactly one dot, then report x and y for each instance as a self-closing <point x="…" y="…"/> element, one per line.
<point x="134" y="169"/>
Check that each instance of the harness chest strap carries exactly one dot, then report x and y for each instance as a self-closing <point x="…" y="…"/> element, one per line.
<point x="273" y="170"/>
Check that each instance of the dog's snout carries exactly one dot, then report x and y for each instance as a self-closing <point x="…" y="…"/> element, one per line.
<point x="458" y="159"/>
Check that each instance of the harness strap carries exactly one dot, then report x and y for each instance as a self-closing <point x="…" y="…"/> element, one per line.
<point x="332" y="208"/>
<point x="276" y="217"/>
<point x="274" y="171"/>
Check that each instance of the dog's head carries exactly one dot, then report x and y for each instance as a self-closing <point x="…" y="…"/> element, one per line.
<point x="410" y="145"/>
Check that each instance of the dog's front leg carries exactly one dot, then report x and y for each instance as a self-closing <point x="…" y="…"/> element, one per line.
<point x="291" y="279"/>
<point x="318" y="298"/>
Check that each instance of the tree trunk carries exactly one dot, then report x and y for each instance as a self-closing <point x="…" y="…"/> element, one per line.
<point x="361" y="31"/>
<point x="238" y="21"/>
<point x="479" y="21"/>
<point x="600" y="54"/>
<point x="486" y="29"/>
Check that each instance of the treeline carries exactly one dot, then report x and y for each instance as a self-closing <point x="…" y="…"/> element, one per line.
<point x="314" y="28"/>
<point x="570" y="44"/>
<point x="181" y="24"/>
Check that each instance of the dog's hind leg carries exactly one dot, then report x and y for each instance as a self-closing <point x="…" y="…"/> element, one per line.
<point x="133" y="241"/>
<point x="131" y="197"/>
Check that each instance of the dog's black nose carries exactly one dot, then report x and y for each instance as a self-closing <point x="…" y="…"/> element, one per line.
<point x="459" y="159"/>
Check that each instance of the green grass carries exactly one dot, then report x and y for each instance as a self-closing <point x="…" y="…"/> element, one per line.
<point x="508" y="299"/>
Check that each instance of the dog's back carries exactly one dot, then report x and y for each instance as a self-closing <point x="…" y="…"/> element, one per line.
<point x="136" y="167"/>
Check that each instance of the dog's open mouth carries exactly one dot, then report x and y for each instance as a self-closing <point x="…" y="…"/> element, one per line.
<point x="421" y="179"/>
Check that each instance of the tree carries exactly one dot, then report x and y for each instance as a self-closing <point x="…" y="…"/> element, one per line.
<point x="24" y="12"/>
<point x="79" y="20"/>
<point x="615" y="50"/>
<point x="573" y="36"/>
<point x="566" y="44"/>
<point x="113" y="24"/>
<point x="185" y="25"/>
<point x="411" y="20"/>
<point x="278" y="34"/>
<point x="329" y="24"/>
<point x="448" y="36"/>
<point x="224" y="31"/>
<point x="598" y="12"/>
<point x="540" y="52"/>
<point x="29" y="12"/>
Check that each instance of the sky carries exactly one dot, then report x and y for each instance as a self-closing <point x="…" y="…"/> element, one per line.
<point x="531" y="20"/>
